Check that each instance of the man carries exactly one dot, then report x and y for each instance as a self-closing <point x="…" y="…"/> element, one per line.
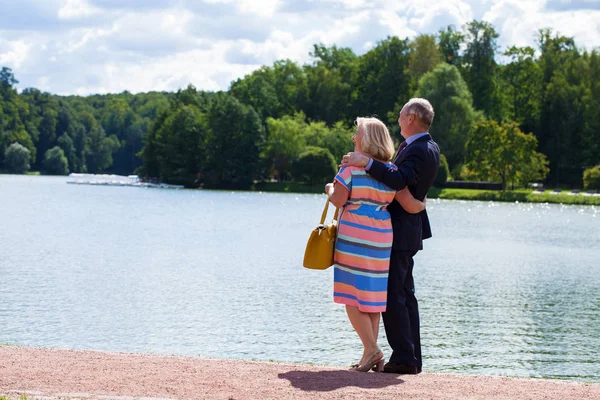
<point x="418" y="160"/>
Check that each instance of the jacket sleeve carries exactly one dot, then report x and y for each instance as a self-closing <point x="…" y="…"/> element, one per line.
<point x="407" y="173"/>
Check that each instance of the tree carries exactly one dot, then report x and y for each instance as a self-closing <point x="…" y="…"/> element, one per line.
<point x="562" y="128"/>
<point x="569" y="125"/>
<point x="117" y="118"/>
<point x="55" y="162"/>
<point x="338" y="139"/>
<point x="450" y="41"/>
<point x="383" y="81"/>
<point x="7" y="81"/>
<point x="591" y="114"/>
<point x="445" y="88"/>
<point x="66" y="145"/>
<point x="16" y="159"/>
<point x="591" y="178"/>
<point x="258" y="90"/>
<point x="501" y="152"/>
<point x="180" y="145"/>
<point x="99" y="149"/>
<point x="285" y="142"/>
<point x="234" y="144"/>
<point x="331" y="84"/>
<point x="314" y="165"/>
<point x="523" y="77"/>
<point x="480" y="65"/>
<point x="290" y="85"/>
<point x="443" y="172"/>
<point x="76" y="128"/>
<point x="424" y="56"/>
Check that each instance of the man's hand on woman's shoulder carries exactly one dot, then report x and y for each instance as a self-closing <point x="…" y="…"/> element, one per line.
<point x="354" y="159"/>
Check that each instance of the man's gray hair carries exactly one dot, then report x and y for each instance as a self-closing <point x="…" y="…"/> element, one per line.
<point x="422" y="109"/>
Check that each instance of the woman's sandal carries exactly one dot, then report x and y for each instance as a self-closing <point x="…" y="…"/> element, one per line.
<point x="375" y="362"/>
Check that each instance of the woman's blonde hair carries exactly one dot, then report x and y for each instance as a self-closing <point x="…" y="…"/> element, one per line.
<point x="376" y="141"/>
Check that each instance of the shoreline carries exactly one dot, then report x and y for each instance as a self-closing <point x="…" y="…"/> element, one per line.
<point x="91" y="374"/>
<point x="510" y="196"/>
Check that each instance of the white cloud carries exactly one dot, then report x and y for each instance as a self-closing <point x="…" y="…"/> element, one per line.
<point x="515" y="29"/>
<point x="265" y="8"/>
<point x="98" y="46"/>
<point x="73" y="9"/>
<point x="15" y="54"/>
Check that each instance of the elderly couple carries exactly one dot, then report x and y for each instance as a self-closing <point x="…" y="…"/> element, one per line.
<point x="381" y="228"/>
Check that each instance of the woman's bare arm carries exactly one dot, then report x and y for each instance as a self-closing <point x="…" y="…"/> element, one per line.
<point x="408" y="202"/>
<point x="338" y="194"/>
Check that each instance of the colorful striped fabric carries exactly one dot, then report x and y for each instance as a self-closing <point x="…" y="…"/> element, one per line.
<point x="364" y="242"/>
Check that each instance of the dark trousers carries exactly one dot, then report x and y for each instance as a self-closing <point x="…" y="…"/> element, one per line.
<point x="401" y="318"/>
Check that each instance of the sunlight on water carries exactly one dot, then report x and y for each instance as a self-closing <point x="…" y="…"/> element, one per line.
<point x="504" y="288"/>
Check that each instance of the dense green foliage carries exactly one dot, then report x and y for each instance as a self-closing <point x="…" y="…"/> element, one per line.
<point x="55" y="162"/>
<point x="501" y="152"/>
<point x="16" y="159"/>
<point x="443" y="172"/>
<point x="534" y="117"/>
<point x="314" y="165"/>
<point x="591" y="178"/>
<point x="454" y="112"/>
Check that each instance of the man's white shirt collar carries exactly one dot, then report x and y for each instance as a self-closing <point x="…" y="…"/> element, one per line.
<point x="415" y="137"/>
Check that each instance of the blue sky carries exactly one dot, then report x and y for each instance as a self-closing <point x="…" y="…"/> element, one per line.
<point x="108" y="46"/>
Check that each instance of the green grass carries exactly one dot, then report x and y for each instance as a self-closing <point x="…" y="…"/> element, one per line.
<point x="32" y="173"/>
<point x="520" y="195"/>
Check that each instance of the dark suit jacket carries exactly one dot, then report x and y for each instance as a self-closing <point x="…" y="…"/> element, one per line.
<point x="418" y="165"/>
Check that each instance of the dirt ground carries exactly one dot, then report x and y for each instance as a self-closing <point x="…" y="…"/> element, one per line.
<point x="76" y="374"/>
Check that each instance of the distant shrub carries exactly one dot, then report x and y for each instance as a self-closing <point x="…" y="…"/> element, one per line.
<point x="16" y="159"/>
<point x="314" y="165"/>
<point x="55" y="162"/>
<point x="443" y="173"/>
<point x="591" y="178"/>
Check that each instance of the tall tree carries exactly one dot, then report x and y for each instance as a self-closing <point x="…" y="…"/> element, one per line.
<point x="234" y="145"/>
<point x="565" y="97"/>
<point x="523" y="79"/>
<point x="284" y="144"/>
<point x="450" y="41"/>
<point x="43" y="120"/>
<point x="181" y="145"/>
<point x="480" y="65"/>
<point x="447" y="91"/>
<point x="424" y="56"/>
<point x="258" y="90"/>
<point x="501" y="152"/>
<point x="16" y="159"/>
<point x="383" y="82"/>
<point x="331" y="84"/>
<point x="99" y="149"/>
<point x="55" y="162"/>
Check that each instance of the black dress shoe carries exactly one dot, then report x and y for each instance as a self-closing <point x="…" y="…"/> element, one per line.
<point x="393" y="368"/>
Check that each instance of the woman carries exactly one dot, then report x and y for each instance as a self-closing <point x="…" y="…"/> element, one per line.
<point x="364" y="241"/>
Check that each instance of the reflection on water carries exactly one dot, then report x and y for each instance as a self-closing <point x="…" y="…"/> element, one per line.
<point x="504" y="289"/>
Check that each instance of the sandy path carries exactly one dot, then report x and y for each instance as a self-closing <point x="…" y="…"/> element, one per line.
<point x="74" y="374"/>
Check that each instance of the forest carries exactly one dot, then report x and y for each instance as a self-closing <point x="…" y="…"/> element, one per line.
<point x="515" y="116"/>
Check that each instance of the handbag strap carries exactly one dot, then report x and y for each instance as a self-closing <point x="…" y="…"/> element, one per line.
<point x="324" y="215"/>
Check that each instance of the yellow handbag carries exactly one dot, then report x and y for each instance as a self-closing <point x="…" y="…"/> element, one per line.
<point x="319" y="249"/>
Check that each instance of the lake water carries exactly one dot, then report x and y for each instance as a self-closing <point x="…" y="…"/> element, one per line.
<point x="504" y="289"/>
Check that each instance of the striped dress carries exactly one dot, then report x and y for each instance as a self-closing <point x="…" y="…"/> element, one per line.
<point x="364" y="242"/>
